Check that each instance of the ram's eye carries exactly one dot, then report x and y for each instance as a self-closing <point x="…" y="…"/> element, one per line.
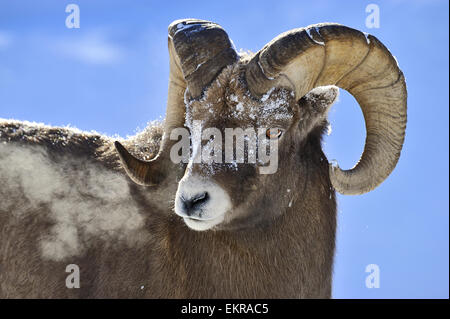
<point x="274" y="133"/>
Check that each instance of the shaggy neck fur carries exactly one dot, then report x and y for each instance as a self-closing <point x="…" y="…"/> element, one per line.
<point x="290" y="256"/>
<point x="157" y="255"/>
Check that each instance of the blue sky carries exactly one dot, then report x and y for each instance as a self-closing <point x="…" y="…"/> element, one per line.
<point x="111" y="75"/>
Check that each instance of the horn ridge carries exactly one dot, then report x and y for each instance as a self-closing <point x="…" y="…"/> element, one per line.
<point x="332" y="54"/>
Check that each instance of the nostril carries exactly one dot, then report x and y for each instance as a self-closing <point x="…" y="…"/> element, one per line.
<point x="190" y="205"/>
<point x="200" y="198"/>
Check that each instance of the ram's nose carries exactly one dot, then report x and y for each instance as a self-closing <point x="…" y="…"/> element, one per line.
<point x="191" y="206"/>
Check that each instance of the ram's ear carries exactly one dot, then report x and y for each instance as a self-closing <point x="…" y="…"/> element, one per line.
<point x="320" y="98"/>
<point x="314" y="106"/>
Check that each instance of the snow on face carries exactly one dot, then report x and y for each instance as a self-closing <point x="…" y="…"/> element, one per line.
<point x="227" y="105"/>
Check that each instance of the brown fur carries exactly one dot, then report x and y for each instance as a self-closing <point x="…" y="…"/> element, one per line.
<point x="278" y="239"/>
<point x="287" y="252"/>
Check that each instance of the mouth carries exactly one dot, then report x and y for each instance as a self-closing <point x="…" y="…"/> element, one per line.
<point x="201" y="224"/>
<point x="199" y="218"/>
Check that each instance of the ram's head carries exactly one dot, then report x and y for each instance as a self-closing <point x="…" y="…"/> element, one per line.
<point x="274" y="105"/>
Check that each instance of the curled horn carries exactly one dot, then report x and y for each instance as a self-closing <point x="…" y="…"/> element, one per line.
<point x="332" y="54"/>
<point x="198" y="51"/>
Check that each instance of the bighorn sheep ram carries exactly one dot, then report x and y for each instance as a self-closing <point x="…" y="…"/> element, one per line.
<point x="265" y="235"/>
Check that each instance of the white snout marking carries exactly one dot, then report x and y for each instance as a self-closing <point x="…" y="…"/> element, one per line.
<point x="212" y="213"/>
